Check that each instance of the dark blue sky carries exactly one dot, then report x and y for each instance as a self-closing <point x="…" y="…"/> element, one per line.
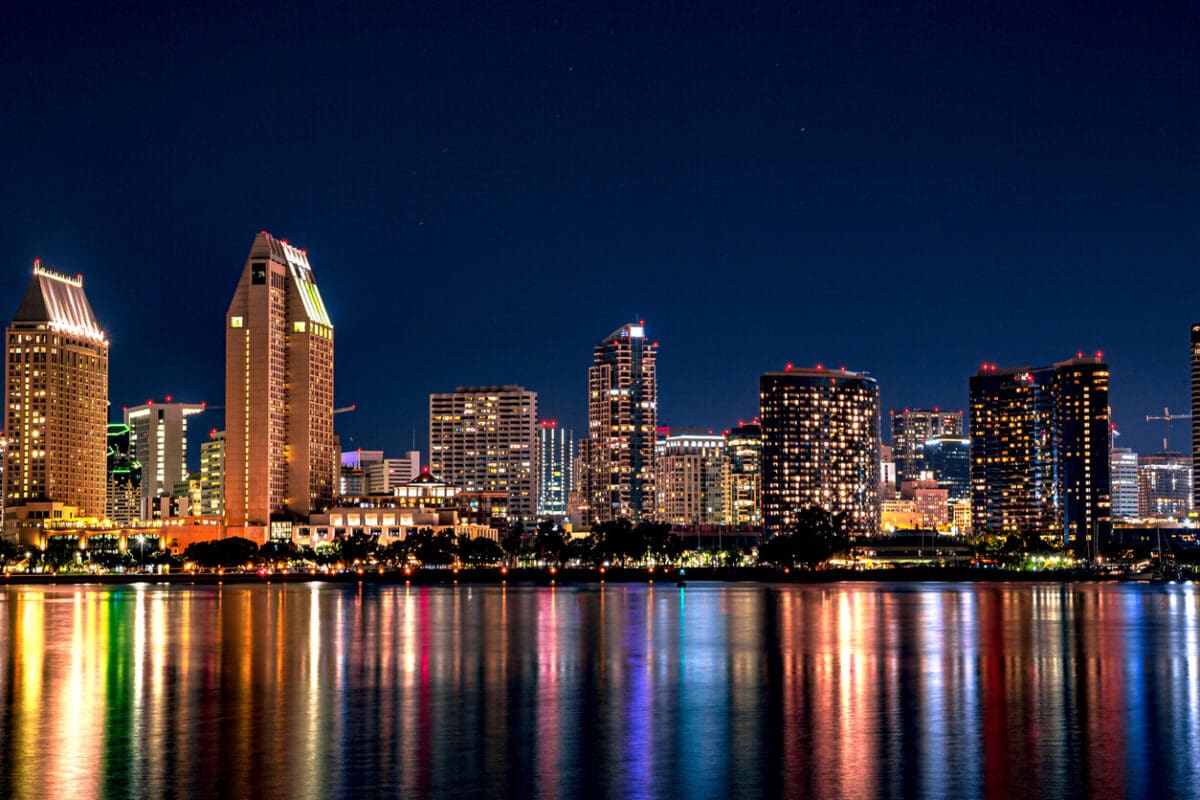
<point x="906" y="190"/>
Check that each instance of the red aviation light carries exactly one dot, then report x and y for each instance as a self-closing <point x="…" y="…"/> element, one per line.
<point x="787" y="367"/>
<point x="820" y="367"/>
<point x="212" y="434"/>
<point x="150" y="402"/>
<point x="168" y="398"/>
<point x="204" y="404"/>
<point x="1099" y="354"/>
<point x="1079" y="354"/>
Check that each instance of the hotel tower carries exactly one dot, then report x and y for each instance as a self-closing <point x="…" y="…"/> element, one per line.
<point x="56" y="373"/>
<point x="618" y="481"/>
<point x="279" y="449"/>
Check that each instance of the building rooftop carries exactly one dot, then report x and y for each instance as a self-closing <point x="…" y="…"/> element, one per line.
<point x="60" y="302"/>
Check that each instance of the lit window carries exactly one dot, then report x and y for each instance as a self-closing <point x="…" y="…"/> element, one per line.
<point x="235" y="322"/>
<point x="298" y="327"/>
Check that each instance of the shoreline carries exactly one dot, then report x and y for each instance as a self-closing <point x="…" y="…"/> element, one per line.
<point x="533" y="576"/>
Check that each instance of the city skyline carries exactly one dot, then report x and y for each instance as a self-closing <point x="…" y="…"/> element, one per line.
<point x="944" y="200"/>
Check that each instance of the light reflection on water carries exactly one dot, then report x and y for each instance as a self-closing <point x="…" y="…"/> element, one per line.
<point x="857" y="690"/>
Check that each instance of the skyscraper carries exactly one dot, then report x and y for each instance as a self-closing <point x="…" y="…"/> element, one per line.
<point x="820" y="447"/>
<point x="949" y="459"/>
<point x="1123" y="471"/>
<point x="911" y="428"/>
<point x="689" y="478"/>
<point x="124" y="496"/>
<point x="556" y="469"/>
<point x="280" y="458"/>
<point x="1196" y="415"/>
<point x="56" y="376"/>
<point x="743" y="475"/>
<point x="212" y="475"/>
<point x="158" y="440"/>
<point x="484" y="439"/>
<point x="1164" y="485"/>
<point x="622" y="420"/>
<point x="1040" y="451"/>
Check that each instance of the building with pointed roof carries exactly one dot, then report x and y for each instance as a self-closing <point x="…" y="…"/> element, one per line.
<point x="280" y="458"/>
<point x="56" y="414"/>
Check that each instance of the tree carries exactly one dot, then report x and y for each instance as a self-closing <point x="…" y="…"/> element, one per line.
<point x="548" y="541"/>
<point x="278" y="551"/>
<point x="810" y="540"/>
<point x="480" y="551"/>
<point x="358" y="546"/>
<point x="231" y="552"/>
<point x="663" y="545"/>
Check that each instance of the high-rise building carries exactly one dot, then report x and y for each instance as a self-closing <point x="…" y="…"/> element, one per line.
<point x="280" y="458"/>
<point x="212" y="475"/>
<point x="1039" y="458"/>
<point x="742" y="475"/>
<point x="556" y="469"/>
<point x="56" y="377"/>
<point x="1196" y="415"/>
<point x="689" y="478"/>
<point x="911" y="428"/>
<point x="158" y="439"/>
<point x="949" y="459"/>
<point x="1123" y="472"/>
<point x="820" y="447"/>
<point x="484" y="439"/>
<point x="383" y="476"/>
<point x="1165" y="485"/>
<point x="622" y="420"/>
<point x="124" y="496"/>
<point x="352" y="477"/>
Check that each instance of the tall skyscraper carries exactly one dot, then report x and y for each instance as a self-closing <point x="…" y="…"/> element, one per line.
<point x="1196" y="415"/>
<point x="158" y="440"/>
<point x="556" y="469"/>
<point x="622" y="420"/>
<point x="1165" y="485"/>
<point x="124" y="496"/>
<point x="280" y="457"/>
<point x="1040" y="451"/>
<point x="949" y="459"/>
<point x="212" y="475"/>
<point x="911" y="428"/>
<point x="820" y="447"/>
<point x="689" y="478"/>
<point x="484" y="439"/>
<point x="1123" y="471"/>
<point x="56" y="376"/>
<point x="743" y="475"/>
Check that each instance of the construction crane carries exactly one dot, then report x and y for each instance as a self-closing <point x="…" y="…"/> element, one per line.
<point x="344" y="409"/>
<point x="1168" y="418"/>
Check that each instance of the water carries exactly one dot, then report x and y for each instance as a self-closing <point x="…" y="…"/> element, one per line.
<point x="858" y="690"/>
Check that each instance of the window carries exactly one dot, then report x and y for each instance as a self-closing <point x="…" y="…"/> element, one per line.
<point x="235" y="322"/>
<point x="258" y="273"/>
<point x="298" y="327"/>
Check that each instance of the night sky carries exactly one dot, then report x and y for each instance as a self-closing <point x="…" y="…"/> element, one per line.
<point x="908" y="189"/>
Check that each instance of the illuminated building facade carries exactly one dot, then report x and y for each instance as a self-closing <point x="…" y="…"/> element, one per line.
<point x="742" y="475"/>
<point x="280" y="458"/>
<point x="212" y="475"/>
<point x="384" y="475"/>
<point x="56" y="417"/>
<point x="1196" y="415"/>
<point x="158" y="438"/>
<point x="1040" y="452"/>
<point x="622" y="424"/>
<point x="1123" y="472"/>
<point x="123" y="502"/>
<point x="556" y="469"/>
<point x="820" y="447"/>
<point x="689" y="478"/>
<point x="1164" y="485"/>
<point x="948" y="458"/>
<point x="910" y="430"/>
<point x="484" y="439"/>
